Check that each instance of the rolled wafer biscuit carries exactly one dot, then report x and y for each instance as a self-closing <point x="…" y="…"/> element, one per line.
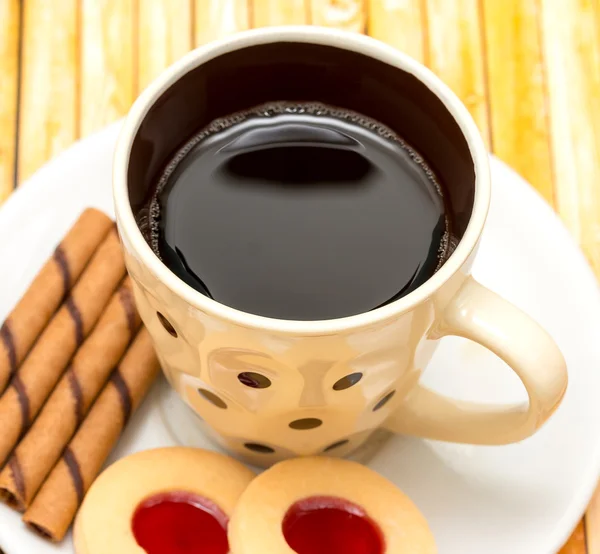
<point x="53" y="509"/>
<point x="32" y="383"/>
<point x="51" y="285"/>
<point x="37" y="453"/>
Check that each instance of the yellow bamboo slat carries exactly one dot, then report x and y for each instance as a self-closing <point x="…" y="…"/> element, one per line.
<point x="592" y="524"/>
<point x="9" y="75"/>
<point x="165" y="34"/>
<point x="454" y="50"/>
<point x="517" y="90"/>
<point x="107" y="62"/>
<point x="399" y="23"/>
<point x="48" y="104"/>
<point x="343" y="14"/>
<point x="572" y="58"/>
<point x="576" y="544"/>
<point x="279" y="12"/>
<point x="217" y="18"/>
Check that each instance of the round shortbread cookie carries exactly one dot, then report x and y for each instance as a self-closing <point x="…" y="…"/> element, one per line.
<point x="153" y="497"/>
<point x="326" y="505"/>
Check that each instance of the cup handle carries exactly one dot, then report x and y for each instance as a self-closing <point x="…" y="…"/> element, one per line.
<point x="478" y="314"/>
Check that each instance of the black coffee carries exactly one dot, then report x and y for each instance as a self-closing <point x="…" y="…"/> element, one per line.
<point x="299" y="211"/>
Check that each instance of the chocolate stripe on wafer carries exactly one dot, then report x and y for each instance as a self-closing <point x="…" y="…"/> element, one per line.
<point x="61" y="260"/>
<point x="124" y="396"/>
<point x="23" y="399"/>
<point x="9" y="344"/>
<point x="77" y="321"/>
<point x="75" y="472"/>
<point x="77" y="394"/>
<point x="127" y="301"/>
<point x="17" y="474"/>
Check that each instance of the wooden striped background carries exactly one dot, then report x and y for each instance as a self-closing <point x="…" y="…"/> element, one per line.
<point x="528" y="70"/>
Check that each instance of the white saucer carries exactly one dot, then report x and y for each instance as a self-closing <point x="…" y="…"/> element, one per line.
<point x="523" y="498"/>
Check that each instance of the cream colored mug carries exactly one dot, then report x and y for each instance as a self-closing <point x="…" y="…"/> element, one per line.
<point x="270" y="389"/>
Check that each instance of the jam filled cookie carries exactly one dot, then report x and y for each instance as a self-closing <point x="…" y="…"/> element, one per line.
<point x="163" y="501"/>
<point x="326" y="506"/>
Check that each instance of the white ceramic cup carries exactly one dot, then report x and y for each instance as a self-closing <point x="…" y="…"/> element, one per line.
<point x="271" y="389"/>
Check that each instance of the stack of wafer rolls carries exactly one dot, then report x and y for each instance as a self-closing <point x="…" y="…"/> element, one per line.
<point x="48" y="290"/>
<point x="56" y="504"/>
<point x="33" y="381"/>
<point x="68" y="404"/>
<point x="90" y="361"/>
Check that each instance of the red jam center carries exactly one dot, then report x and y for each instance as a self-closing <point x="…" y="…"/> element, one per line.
<point x="327" y="525"/>
<point x="180" y="523"/>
